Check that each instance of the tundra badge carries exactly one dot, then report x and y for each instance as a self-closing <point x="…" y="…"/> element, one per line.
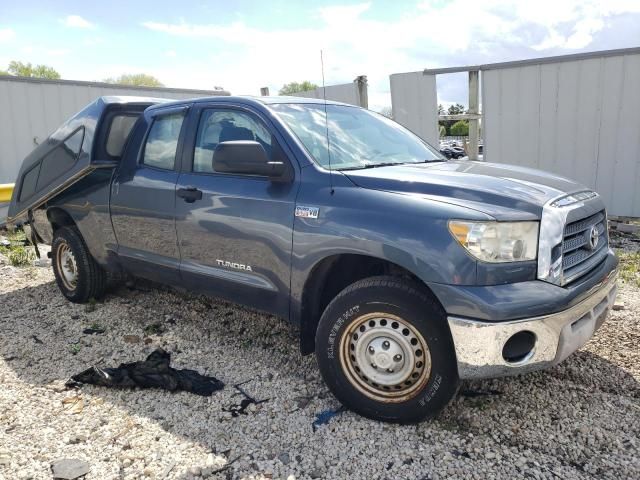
<point x="237" y="266"/>
<point x="307" y="212"/>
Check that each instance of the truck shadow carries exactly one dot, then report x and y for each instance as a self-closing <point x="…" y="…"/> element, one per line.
<point x="42" y="344"/>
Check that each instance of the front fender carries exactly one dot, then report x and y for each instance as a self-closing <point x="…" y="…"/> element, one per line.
<point x="407" y="230"/>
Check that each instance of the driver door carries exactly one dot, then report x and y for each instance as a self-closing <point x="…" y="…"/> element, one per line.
<point x="234" y="231"/>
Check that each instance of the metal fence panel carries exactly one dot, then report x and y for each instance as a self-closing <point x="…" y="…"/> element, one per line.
<point x="414" y="104"/>
<point x="575" y="117"/>
<point x="31" y="109"/>
<point x="345" y="93"/>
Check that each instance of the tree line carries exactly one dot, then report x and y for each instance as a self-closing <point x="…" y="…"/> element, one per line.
<point x="20" y="69"/>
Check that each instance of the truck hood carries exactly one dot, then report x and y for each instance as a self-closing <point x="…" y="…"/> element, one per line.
<point x="498" y="190"/>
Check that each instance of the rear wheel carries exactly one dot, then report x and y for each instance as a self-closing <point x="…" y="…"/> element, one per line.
<point x="77" y="274"/>
<point x="385" y="351"/>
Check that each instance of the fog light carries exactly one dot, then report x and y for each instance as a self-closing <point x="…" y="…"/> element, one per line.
<point x="519" y="347"/>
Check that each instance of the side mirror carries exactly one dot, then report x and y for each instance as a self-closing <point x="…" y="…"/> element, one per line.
<point x="247" y="157"/>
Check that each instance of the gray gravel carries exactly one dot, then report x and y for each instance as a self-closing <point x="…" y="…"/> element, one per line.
<point x="578" y="420"/>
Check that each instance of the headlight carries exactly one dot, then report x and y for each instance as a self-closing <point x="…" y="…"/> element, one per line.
<point x="497" y="241"/>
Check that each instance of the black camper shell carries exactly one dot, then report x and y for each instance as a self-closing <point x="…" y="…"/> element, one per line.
<point x="72" y="152"/>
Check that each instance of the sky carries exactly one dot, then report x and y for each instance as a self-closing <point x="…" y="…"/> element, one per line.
<point x="243" y="45"/>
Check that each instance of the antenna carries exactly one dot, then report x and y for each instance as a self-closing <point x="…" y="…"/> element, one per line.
<point x="326" y="122"/>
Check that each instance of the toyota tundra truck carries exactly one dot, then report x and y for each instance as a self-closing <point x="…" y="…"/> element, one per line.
<point x="404" y="272"/>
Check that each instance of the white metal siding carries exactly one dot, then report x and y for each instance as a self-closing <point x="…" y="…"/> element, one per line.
<point x="345" y="93"/>
<point x="577" y="118"/>
<point x="31" y="110"/>
<point x="415" y="105"/>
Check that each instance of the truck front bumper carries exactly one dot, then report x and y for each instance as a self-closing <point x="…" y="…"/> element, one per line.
<point x="487" y="349"/>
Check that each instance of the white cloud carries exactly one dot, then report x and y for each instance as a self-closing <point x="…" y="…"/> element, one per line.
<point x="343" y="14"/>
<point x="6" y="34"/>
<point x="76" y="21"/>
<point x="170" y="53"/>
<point x="57" y="52"/>
<point x="436" y="34"/>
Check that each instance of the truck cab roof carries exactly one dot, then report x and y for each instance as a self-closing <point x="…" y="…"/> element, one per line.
<point x="250" y="100"/>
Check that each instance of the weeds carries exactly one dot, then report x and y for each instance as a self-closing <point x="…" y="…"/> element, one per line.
<point x="16" y="251"/>
<point x="154" y="329"/>
<point x="21" y="256"/>
<point x="74" y="348"/>
<point x="630" y="267"/>
<point x="90" y="306"/>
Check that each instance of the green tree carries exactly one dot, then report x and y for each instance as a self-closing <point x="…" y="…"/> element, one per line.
<point x="295" y="87"/>
<point x="455" y="109"/>
<point x="4" y="72"/>
<point x="136" y="79"/>
<point x="28" y="70"/>
<point x="460" y="128"/>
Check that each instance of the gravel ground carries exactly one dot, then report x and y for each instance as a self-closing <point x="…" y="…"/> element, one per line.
<point x="578" y="420"/>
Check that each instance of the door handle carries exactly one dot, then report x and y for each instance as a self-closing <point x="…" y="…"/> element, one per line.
<point x="189" y="194"/>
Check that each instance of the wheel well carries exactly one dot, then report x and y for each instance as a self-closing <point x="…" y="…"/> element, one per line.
<point x="59" y="218"/>
<point x="328" y="278"/>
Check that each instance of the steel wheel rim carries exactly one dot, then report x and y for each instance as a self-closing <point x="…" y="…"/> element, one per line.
<point x="385" y="357"/>
<point x="67" y="266"/>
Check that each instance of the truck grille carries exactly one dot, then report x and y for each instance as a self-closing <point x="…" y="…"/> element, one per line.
<point x="579" y="254"/>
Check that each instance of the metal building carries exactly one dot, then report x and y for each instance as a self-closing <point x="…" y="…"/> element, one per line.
<point x="574" y="115"/>
<point x="32" y="108"/>
<point x="354" y="93"/>
<point x="414" y="103"/>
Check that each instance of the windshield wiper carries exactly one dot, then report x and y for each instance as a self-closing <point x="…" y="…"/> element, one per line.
<point x="373" y="165"/>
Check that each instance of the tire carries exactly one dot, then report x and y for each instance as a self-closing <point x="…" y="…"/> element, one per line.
<point x="390" y="323"/>
<point x="78" y="276"/>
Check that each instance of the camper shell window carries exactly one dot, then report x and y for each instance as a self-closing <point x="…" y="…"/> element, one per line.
<point x="119" y="130"/>
<point x="29" y="182"/>
<point x="60" y="159"/>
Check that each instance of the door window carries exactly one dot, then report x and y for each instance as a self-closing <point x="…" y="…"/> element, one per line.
<point x="162" y="141"/>
<point x="218" y="126"/>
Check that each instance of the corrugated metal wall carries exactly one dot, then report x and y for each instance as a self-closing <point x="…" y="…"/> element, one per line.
<point x="345" y="93"/>
<point x="414" y="104"/>
<point x="31" y="109"/>
<point x="578" y="118"/>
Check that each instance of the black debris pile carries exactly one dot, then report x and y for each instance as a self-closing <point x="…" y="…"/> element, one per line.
<point x="241" y="408"/>
<point x="154" y="372"/>
<point x="94" y="330"/>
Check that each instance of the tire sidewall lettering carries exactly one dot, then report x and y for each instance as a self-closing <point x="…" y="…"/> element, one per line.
<point x="432" y="390"/>
<point x="335" y="330"/>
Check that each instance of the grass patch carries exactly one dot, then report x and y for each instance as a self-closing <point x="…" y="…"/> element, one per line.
<point x="17" y="252"/>
<point x="630" y="267"/>
<point x="21" y="256"/>
<point x="90" y="306"/>
<point x="154" y="329"/>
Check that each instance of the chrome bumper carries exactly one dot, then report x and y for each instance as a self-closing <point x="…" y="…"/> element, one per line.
<point x="479" y="344"/>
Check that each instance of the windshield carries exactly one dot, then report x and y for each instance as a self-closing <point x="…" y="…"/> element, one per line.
<point x="358" y="138"/>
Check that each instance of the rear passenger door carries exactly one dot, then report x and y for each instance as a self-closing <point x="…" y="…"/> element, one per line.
<point x="234" y="230"/>
<point x="143" y="197"/>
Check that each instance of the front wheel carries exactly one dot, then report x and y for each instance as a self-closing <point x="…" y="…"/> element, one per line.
<point x="77" y="274"/>
<point x="385" y="351"/>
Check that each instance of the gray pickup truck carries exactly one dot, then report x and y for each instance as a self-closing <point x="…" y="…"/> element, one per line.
<point x="403" y="271"/>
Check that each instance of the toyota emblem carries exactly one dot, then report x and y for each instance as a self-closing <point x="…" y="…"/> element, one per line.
<point x="594" y="236"/>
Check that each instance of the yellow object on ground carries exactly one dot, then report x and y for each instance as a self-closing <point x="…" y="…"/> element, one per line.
<point x="6" y="189"/>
